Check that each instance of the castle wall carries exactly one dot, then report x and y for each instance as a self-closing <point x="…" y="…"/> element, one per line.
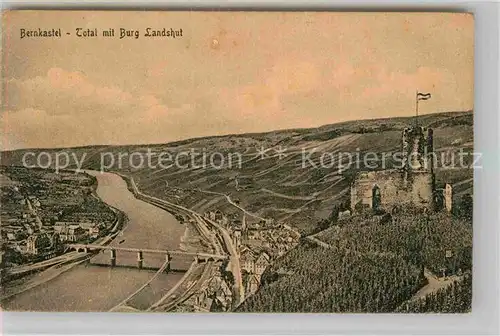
<point x="388" y="181"/>
<point x="414" y="183"/>
<point x="393" y="189"/>
<point x="420" y="189"/>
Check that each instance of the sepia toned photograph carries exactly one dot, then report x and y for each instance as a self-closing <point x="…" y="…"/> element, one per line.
<point x="237" y="161"/>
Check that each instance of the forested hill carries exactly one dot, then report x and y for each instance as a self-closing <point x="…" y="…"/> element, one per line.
<point x="374" y="267"/>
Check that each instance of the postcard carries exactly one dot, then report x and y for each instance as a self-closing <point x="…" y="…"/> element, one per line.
<point x="237" y="161"/>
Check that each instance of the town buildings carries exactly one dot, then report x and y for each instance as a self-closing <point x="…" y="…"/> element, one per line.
<point x="258" y="243"/>
<point x="41" y="210"/>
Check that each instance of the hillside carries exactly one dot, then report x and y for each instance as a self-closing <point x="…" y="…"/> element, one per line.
<point x="374" y="267"/>
<point x="277" y="184"/>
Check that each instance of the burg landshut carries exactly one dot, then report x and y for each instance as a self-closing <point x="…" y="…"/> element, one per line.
<point x="150" y="32"/>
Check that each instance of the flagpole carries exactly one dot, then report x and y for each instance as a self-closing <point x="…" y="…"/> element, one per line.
<point x="416" y="108"/>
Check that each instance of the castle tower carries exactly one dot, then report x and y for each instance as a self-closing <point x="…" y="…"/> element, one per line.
<point x="418" y="160"/>
<point x="417" y="149"/>
<point x="430" y="149"/>
<point x="415" y="159"/>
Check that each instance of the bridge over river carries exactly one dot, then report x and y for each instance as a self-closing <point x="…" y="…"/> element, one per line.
<point x="88" y="287"/>
<point x="198" y="256"/>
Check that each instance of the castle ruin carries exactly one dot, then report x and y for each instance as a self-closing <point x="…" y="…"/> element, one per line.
<point x="413" y="183"/>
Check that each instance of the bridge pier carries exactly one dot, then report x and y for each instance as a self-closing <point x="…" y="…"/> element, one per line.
<point x="140" y="259"/>
<point x="112" y="257"/>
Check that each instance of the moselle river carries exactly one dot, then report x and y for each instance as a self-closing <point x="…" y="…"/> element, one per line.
<point x="90" y="287"/>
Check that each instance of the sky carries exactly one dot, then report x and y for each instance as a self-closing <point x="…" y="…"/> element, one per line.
<point x="230" y="72"/>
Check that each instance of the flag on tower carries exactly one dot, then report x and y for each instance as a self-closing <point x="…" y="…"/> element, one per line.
<point x="423" y="96"/>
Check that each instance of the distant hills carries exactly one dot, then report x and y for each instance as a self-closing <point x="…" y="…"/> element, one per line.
<point x="274" y="181"/>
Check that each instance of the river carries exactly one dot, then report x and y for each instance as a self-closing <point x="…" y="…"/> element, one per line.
<point x="90" y="287"/>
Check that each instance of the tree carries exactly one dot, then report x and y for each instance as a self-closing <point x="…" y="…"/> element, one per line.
<point x="334" y="215"/>
<point x="466" y="206"/>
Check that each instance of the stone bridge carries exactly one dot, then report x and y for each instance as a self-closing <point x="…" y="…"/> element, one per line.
<point x="140" y="251"/>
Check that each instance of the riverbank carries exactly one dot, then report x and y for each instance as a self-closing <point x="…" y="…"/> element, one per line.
<point x="18" y="279"/>
<point x="194" y="238"/>
<point x="30" y="281"/>
<point x="222" y="246"/>
<point x="87" y="287"/>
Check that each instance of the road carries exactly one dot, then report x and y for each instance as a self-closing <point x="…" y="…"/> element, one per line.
<point x="174" y="289"/>
<point x="228" y="198"/>
<point x="234" y="260"/>
<point x="50" y="273"/>
<point x="47" y="263"/>
<point x="186" y="294"/>
<point x="315" y="240"/>
<point x="434" y="284"/>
